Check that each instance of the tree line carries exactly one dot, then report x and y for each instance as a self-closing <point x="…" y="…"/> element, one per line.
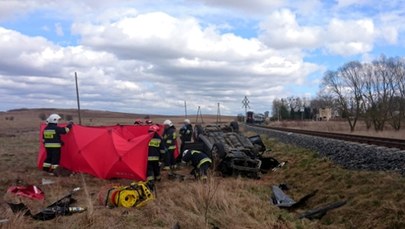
<point x="372" y="92"/>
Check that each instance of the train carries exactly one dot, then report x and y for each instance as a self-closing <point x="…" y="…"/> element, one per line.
<point x="255" y="118"/>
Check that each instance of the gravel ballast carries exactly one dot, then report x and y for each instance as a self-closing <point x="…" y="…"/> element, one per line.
<point x="347" y="154"/>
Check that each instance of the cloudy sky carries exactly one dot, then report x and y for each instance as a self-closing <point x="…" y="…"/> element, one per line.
<point x="150" y="56"/>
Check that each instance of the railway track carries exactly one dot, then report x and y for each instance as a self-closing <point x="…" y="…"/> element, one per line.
<point x="385" y="142"/>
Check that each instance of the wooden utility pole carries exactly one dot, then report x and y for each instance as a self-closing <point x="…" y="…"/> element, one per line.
<point x="78" y="100"/>
<point x="219" y="114"/>
<point x="185" y="109"/>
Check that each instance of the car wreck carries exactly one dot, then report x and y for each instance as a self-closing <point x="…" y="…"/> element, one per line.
<point x="232" y="152"/>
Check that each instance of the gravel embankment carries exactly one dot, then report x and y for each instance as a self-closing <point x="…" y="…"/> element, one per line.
<point x="347" y="154"/>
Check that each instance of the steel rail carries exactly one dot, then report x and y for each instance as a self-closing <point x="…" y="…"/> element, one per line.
<point x="379" y="141"/>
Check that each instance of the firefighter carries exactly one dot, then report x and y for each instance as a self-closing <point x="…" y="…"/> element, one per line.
<point x="186" y="132"/>
<point x="53" y="143"/>
<point x="155" y="153"/>
<point x="200" y="161"/>
<point x="169" y="139"/>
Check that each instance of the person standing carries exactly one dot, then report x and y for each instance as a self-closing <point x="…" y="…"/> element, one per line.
<point x="169" y="139"/>
<point x="186" y="132"/>
<point x="155" y="153"/>
<point x="53" y="143"/>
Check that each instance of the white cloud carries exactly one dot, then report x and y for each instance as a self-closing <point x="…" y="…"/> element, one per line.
<point x="154" y="61"/>
<point x="350" y="37"/>
<point x="281" y="30"/>
<point x="143" y="56"/>
<point x="339" y="37"/>
<point x="250" y="6"/>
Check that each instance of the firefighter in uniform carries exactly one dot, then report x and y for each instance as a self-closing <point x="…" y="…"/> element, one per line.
<point x="53" y="143"/>
<point x="169" y="139"/>
<point x="155" y="153"/>
<point x="186" y="132"/>
<point x="200" y="161"/>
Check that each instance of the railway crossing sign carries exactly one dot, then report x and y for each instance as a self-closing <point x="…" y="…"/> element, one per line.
<point x="245" y="104"/>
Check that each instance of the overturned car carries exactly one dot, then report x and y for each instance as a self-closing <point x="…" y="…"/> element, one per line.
<point x="231" y="152"/>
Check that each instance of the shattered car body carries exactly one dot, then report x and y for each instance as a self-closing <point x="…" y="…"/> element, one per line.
<point x="232" y="153"/>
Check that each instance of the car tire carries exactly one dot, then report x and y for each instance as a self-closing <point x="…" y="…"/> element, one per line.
<point x="218" y="150"/>
<point x="235" y="126"/>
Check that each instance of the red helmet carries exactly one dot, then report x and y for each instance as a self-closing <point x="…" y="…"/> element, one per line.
<point x="154" y="128"/>
<point x="138" y="121"/>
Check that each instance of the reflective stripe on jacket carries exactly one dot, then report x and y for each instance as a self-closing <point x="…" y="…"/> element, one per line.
<point x="52" y="135"/>
<point x="197" y="158"/>
<point x="169" y="137"/>
<point x="155" y="148"/>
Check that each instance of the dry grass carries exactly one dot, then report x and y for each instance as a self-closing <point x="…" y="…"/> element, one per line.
<point x="340" y="127"/>
<point x="376" y="199"/>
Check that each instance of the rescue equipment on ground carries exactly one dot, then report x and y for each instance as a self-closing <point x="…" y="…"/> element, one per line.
<point x="60" y="207"/>
<point x="137" y="194"/>
<point x="30" y="191"/>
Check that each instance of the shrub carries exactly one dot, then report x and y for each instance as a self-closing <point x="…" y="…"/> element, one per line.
<point x="69" y="117"/>
<point x="42" y="116"/>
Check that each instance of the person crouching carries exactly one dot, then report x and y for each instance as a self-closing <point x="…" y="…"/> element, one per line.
<point x="200" y="161"/>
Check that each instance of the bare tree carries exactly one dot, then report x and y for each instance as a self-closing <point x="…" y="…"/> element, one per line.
<point x="276" y="109"/>
<point x="373" y="91"/>
<point x="379" y="91"/>
<point x="323" y="101"/>
<point x="346" y="85"/>
<point x="280" y="109"/>
<point x="396" y="67"/>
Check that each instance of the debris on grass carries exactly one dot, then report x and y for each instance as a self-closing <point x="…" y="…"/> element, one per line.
<point x="319" y="212"/>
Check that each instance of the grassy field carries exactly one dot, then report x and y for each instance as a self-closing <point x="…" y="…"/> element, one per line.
<point x="375" y="199"/>
<point x="341" y="127"/>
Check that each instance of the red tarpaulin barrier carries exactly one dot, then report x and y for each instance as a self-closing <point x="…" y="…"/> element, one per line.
<point x="119" y="151"/>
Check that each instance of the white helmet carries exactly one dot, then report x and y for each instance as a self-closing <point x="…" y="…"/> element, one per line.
<point x="168" y="123"/>
<point x="187" y="121"/>
<point x="185" y="152"/>
<point x="53" y="118"/>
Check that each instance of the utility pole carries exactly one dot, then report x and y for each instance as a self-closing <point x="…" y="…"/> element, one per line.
<point x="199" y="115"/>
<point x="185" y="109"/>
<point x="78" y="100"/>
<point x="245" y="104"/>
<point x="219" y="114"/>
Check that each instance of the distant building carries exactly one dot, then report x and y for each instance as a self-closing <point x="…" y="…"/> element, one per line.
<point x="324" y="114"/>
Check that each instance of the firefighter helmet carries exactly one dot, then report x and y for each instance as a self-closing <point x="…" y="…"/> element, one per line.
<point x="154" y="128"/>
<point x="187" y="121"/>
<point x="185" y="152"/>
<point x="168" y="123"/>
<point x="53" y="118"/>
